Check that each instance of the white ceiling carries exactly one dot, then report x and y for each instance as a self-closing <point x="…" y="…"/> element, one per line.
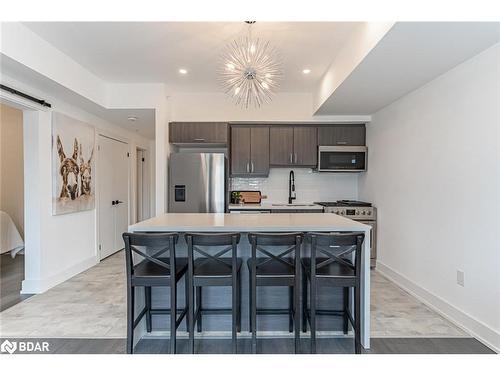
<point x="410" y="55"/>
<point x="46" y="88"/>
<point x="132" y="52"/>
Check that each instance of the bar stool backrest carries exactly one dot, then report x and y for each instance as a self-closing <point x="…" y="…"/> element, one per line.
<point x="151" y="246"/>
<point x="337" y="247"/>
<point x="229" y="240"/>
<point x="292" y="240"/>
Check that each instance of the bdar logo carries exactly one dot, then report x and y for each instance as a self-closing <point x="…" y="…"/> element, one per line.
<point x="8" y="347"/>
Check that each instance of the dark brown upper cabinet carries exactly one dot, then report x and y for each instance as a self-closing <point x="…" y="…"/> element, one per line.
<point x="198" y="132"/>
<point x="249" y="151"/>
<point x="342" y="135"/>
<point x="294" y="146"/>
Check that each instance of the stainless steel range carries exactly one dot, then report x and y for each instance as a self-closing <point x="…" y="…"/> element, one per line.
<point x="359" y="211"/>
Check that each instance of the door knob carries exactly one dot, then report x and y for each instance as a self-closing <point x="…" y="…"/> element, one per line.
<point x="118" y="202"/>
<point x="113" y="203"/>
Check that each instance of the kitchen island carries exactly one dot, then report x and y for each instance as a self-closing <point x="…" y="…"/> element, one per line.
<point x="283" y="222"/>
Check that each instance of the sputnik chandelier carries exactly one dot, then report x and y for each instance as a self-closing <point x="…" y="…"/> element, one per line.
<point x="251" y="70"/>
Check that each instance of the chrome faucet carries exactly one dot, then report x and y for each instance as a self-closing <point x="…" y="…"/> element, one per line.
<point x="291" y="188"/>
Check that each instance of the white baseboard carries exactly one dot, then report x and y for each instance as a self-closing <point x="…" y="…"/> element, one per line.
<point x="487" y="335"/>
<point x="37" y="286"/>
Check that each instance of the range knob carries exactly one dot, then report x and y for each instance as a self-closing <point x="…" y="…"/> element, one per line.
<point x="362" y="213"/>
<point x="357" y="212"/>
<point x="368" y="212"/>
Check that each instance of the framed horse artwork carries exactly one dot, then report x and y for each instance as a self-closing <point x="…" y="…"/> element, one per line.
<point x="73" y="143"/>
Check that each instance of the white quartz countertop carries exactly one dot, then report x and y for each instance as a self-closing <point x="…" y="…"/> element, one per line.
<point x="275" y="206"/>
<point x="206" y="222"/>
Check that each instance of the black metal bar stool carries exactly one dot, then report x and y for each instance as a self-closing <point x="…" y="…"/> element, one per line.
<point x="334" y="270"/>
<point x="213" y="270"/>
<point x="275" y="270"/>
<point x="156" y="268"/>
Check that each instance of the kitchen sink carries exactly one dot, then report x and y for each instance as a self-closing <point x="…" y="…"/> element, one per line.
<point x="292" y="205"/>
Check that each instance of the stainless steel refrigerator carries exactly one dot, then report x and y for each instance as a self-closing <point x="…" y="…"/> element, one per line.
<point x="197" y="182"/>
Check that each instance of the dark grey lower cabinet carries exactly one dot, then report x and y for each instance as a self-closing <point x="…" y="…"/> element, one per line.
<point x="288" y="211"/>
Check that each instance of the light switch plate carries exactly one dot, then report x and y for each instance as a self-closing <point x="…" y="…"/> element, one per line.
<point x="460" y="278"/>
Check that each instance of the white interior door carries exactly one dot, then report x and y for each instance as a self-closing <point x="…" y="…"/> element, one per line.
<point x="113" y="194"/>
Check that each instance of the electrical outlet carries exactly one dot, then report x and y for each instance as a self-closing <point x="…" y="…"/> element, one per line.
<point x="460" y="278"/>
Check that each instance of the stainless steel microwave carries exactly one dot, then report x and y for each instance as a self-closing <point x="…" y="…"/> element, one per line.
<point x="342" y="158"/>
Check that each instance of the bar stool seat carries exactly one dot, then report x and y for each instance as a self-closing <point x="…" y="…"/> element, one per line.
<point x="205" y="267"/>
<point x="272" y="269"/>
<point x="151" y="270"/>
<point x="332" y="270"/>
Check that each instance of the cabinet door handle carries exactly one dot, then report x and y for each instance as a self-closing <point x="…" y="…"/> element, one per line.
<point x="199" y="139"/>
<point x="248" y="167"/>
<point x="295" y="155"/>
<point x="291" y="158"/>
<point x="341" y="142"/>
<point x="252" y="166"/>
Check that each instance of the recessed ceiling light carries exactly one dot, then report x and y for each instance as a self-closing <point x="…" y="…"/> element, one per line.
<point x="183" y="71"/>
<point x="306" y="71"/>
<point x="132" y="118"/>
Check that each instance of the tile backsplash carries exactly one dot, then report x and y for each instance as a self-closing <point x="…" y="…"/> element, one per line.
<point x="310" y="186"/>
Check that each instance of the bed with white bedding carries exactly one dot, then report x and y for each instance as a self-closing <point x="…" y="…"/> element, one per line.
<point x="10" y="238"/>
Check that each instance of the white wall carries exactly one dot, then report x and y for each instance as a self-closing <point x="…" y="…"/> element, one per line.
<point x="285" y="106"/>
<point x="58" y="247"/>
<point x="360" y="43"/>
<point x="11" y="164"/>
<point x="434" y="174"/>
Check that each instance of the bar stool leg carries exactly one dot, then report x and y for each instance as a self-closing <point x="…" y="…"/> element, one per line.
<point x="173" y="315"/>
<point x="296" y="310"/>
<point x="312" y="321"/>
<point x="346" y="309"/>
<point x="290" y="309"/>
<point x="198" y="307"/>
<point x="130" y="319"/>
<point x="147" y="294"/>
<point x="357" y="320"/>
<point x="234" y="323"/>
<point x="239" y="302"/>
<point x="304" y="301"/>
<point x="191" y="316"/>
<point x="253" y="313"/>
<point x="186" y="301"/>
<point x="250" y="292"/>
